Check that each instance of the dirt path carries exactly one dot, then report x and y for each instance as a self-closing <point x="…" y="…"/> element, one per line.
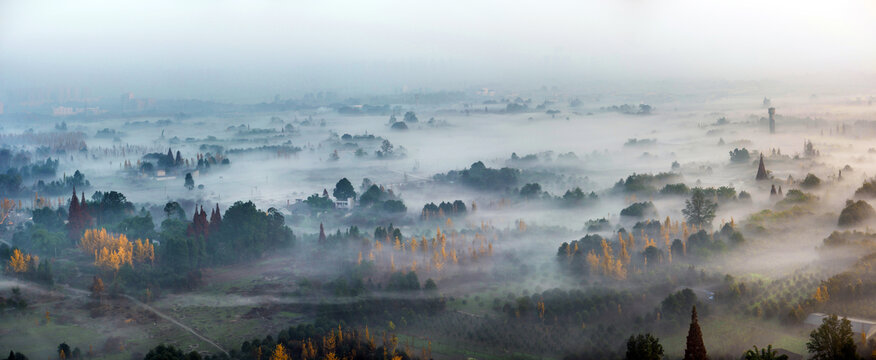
<point x="175" y="322"/>
<point x="156" y="312"/>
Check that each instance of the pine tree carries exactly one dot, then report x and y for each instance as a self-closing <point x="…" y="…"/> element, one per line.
<point x="321" y="234"/>
<point x="696" y="349"/>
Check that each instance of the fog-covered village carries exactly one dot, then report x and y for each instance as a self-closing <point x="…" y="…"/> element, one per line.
<point x="217" y="205"/>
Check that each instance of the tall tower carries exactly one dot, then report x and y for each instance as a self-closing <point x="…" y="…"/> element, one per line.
<point x="772" y="111"/>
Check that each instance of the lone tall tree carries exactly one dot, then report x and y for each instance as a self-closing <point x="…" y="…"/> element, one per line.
<point x="696" y="349"/>
<point x="344" y="190"/>
<point x="699" y="210"/>
<point x="761" y="170"/>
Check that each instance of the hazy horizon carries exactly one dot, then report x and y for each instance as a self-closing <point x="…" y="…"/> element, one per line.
<point x="251" y="51"/>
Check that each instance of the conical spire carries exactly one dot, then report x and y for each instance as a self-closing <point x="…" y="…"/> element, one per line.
<point x="761" y="170"/>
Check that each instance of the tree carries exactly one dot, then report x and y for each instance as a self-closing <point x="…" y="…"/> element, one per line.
<point x="766" y="353"/>
<point x="96" y="287"/>
<point x="169" y="352"/>
<point x="386" y="147"/>
<point x="695" y="349"/>
<point x="279" y="353"/>
<point x="832" y="340"/>
<point x="740" y="155"/>
<point x="644" y="347"/>
<point x="190" y="182"/>
<point x="16" y="356"/>
<point x="430" y="285"/>
<point x="344" y="190"/>
<point x="63" y="351"/>
<point x="173" y="211"/>
<point x="411" y="117"/>
<point x="699" y="210"/>
<point x="855" y="213"/>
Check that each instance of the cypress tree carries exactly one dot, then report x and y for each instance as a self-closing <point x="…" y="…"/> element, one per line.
<point x="696" y="349"/>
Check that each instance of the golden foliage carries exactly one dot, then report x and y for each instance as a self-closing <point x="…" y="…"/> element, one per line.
<point x="20" y="262"/>
<point x="279" y="353"/>
<point x="111" y="251"/>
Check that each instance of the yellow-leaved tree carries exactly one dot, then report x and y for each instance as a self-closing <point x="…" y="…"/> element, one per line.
<point x="279" y="353"/>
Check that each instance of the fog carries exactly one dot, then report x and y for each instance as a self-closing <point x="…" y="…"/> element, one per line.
<point x="251" y="51"/>
<point x="529" y="180"/>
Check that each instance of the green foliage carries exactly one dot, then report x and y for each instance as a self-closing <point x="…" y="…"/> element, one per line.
<point x="811" y="181"/>
<point x="430" y="285"/>
<point x="842" y="238"/>
<point x="169" y="352"/>
<point x="39" y="239"/>
<point x="644" y="347"/>
<point x="109" y="208"/>
<point x="867" y="190"/>
<point x="480" y="177"/>
<point x="855" y="213"/>
<point x="640" y="210"/>
<point x="832" y="340"/>
<point x="676" y="306"/>
<point x="679" y="189"/>
<point x="597" y="225"/>
<point x="766" y="353"/>
<point x="740" y="155"/>
<point x="795" y="196"/>
<point x="699" y="210"/>
<point x="577" y="196"/>
<point x="645" y="183"/>
<point x="319" y="203"/>
<point x="384" y="200"/>
<point x="172" y="210"/>
<point x="529" y="191"/>
<point x="52" y="220"/>
<point x="400" y="281"/>
<point x="138" y="227"/>
<point x="344" y="190"/>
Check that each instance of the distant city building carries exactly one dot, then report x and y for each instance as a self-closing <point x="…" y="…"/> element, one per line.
<point x="67" y="110"/>
<point x="1" y="108"/>
<point x="772" y="112"/>
<point x="129" y="103"/>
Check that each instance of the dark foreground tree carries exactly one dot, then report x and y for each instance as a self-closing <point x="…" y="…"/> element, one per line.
<point x="766" y="353"/>
<point x="695" y="349"/>
<point x="169" y="352"/>
<point x="832" y="340"/>
<point x="644" y="347"/>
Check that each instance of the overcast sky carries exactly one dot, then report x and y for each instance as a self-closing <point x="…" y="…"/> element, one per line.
<point x="253" y="49"/>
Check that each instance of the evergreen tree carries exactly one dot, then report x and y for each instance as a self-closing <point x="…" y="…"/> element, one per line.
<point x="696" y="349"/>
